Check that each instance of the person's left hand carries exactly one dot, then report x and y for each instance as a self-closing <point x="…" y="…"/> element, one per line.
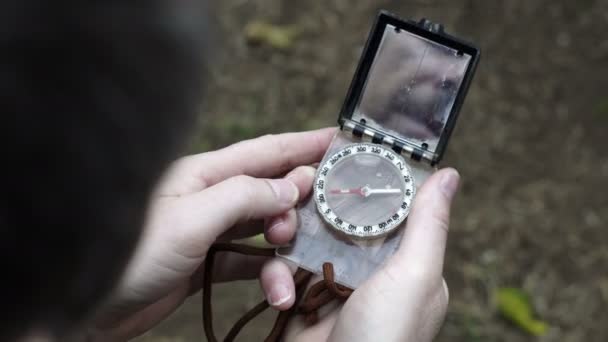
<point x="406" y="299"/>
<point x="215" y="196"/>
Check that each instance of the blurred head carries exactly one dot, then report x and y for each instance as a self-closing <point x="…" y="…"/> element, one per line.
<point x="96" y="100"/>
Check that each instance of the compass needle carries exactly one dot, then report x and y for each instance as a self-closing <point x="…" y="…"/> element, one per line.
<point x="383" y="191"/>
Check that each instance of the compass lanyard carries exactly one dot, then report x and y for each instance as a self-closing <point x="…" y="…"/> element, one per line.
<point x="319" y="294"/>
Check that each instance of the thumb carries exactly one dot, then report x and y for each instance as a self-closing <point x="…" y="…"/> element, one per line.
<point x="401" y="297"/>
<point x="423" y="245"/>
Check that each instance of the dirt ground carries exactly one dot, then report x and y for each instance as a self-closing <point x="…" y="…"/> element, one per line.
<point x="530" y="145"/>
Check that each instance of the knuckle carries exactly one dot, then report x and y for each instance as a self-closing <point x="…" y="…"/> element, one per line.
<point x="242" y="181"/>
<point x="302" y="174"/>
<point x="246" y="190"/>
<point x="270" y="140"/>
<point x="281" y="149"/>
<point x="253" y="194"/>
<point x="318" y="142"/>
<point x="268" y="136"/>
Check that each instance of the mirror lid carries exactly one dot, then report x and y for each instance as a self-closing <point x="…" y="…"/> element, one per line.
<point x="410" y="84"/>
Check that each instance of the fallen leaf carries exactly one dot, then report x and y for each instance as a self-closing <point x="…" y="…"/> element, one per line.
<point x="514" y="305"/>
<point x="275" y="36"/>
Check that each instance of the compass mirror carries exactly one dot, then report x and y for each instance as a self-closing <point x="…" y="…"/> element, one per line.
<point x="410" y="84"/>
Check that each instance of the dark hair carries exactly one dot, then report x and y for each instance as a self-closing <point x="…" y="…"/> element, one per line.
<point x="96" y="98"/>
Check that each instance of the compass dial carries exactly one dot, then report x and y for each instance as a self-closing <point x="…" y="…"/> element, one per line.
<point x="364" y="190"/>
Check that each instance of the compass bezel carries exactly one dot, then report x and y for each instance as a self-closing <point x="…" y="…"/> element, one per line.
<point x="341" y="224"/>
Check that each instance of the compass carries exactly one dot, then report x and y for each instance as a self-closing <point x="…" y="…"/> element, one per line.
<point x="394" y="128"/>
<point x="364" y="190"/>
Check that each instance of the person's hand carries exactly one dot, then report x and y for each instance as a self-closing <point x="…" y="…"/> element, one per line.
<point x="407" y="298"/>
<point x="216" y="196"/>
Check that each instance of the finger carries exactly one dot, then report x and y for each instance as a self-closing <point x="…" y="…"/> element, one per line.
<point x="277" y="284"/>
<point x="423" y="244"/>
<point x="302" y="177"/>
<point x="299" y="330"/>
<point x="409" y="283"/>
<point x="281" y="229"/>
<point x="198" y="219"/>
<point x="285" y="224"/>
<point x="267" y="156"/>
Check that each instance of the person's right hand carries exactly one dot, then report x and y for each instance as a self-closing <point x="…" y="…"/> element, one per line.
<point x="407" y="298"/>
<point x="240" y="191"/>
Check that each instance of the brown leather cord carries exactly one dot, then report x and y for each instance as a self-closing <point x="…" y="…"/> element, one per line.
<point x="301" y="279"/>
<point x="319" y="294"/>
<point x="328" y="276"/>
<point x="248" y="316"/>
<point x="208" y="280"/>
<point x="322" y="293"/>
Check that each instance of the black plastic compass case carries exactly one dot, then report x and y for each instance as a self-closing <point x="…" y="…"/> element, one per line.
<point x="395" y="125"/>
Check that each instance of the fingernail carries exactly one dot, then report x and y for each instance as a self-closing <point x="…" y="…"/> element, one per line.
<point x="279" y="294"/>
<point x="276" y="224"/>
<point x="309" y="171"/>
<point x="286" y="191"/>
<point x="449" y="183"/>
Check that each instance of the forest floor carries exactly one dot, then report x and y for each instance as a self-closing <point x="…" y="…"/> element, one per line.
<point x="530" y="144"/>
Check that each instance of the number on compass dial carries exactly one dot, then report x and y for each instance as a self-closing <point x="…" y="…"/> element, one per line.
<point x="364" y="190"/>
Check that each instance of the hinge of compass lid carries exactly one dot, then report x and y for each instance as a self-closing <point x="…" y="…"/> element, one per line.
<point x="403" y="148"/>
<point x="430" y="26"/>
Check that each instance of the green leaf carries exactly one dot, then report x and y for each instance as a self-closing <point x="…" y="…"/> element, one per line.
<point x="601" y="110"/>
<point x="514" y="305"/>
<point x="256" y="241"/>
<point x="278" y="37"/>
